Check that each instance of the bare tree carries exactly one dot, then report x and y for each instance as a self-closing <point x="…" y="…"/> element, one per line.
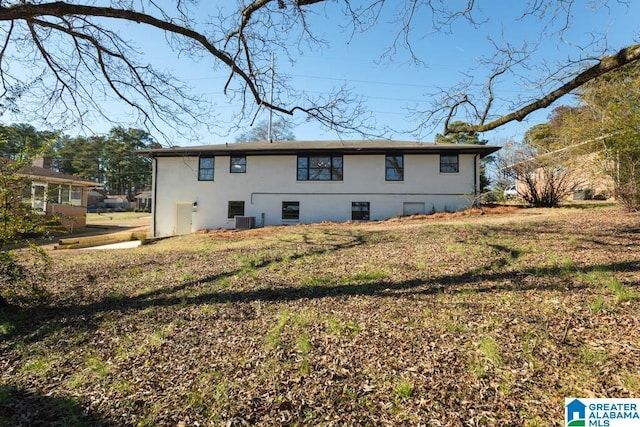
<point x="71" y="58"/>
<point x="280" y="131"/>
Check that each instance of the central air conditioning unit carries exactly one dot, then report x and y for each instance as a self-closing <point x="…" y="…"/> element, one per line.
<point x="245" y="222"/>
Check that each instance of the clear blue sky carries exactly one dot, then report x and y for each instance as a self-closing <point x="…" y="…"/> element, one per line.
<point x="392" y="86"/>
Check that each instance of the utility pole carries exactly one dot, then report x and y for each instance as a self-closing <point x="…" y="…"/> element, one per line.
<point x="271" y="99"/>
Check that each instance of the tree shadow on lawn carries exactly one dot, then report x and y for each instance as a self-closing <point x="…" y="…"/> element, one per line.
<point x="357" y="240"/>
<point x="20" y="407"/>
<point x="450" y="284"/>
<point x="35" y="324"/>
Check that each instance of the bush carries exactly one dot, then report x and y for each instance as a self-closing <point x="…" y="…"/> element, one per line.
<point x="23" y="269"/>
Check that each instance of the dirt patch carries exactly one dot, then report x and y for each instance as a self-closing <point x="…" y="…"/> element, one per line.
<point x="393" y="222"/>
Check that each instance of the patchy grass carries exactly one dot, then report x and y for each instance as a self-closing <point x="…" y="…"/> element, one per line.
<point x="461" y="319"/>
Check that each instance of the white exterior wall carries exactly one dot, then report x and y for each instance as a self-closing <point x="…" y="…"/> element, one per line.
<point x="270" y="180"/>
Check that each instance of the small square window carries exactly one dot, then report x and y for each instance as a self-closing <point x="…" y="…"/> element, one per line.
<point x="394" y="168"/>
<point x="448" y="163"/>
<point x="291" y="210"/>
<point x="238" y="164"/>
<point x="205" y="168"/>
<point x="236" y="208"/>
<point x="360" y="211"/>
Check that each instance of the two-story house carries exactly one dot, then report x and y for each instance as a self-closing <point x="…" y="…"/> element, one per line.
<point x="215" y="186"/>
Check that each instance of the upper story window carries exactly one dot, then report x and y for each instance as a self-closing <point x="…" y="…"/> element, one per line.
<point x="319" y="168"/>
<point x="449" y="163"/>
<point x="394" y="167"/>
<point x="206" y="166"/>
<point x="238" y="164"/>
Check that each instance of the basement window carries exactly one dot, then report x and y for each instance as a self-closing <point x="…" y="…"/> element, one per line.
<point x="236" y="208"/>
<point x="291" y="210"/>
<point x="360" y="211"/>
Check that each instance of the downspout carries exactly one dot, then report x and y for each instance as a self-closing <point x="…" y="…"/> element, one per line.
<point x="154" y="198"/>
<point x="476" y="179"/>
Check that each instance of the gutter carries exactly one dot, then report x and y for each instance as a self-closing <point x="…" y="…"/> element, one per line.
<point x="476" y="180"/>
<point x="155" y="198"/>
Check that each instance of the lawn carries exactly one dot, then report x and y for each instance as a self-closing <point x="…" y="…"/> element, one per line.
<point x="446" y="320"/>
<point x="133" y="219"/>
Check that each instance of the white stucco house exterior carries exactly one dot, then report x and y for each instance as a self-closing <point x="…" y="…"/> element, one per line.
<point x="290" y="182"/>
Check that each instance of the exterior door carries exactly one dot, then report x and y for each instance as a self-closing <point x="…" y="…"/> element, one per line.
<point x="183" y="218"/>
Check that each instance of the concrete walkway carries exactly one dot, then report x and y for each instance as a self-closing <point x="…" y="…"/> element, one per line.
<point x="121" y="245"/>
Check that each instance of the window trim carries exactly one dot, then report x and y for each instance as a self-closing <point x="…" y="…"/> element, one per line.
<point x="336" y="173"/>
<point x="387" y="168"/>
<point x="291" y="202"/>
<point x="366" y="217"/>
<point x="243" y="158"/>
<point x="229" y="208"/>
<point x="457" y="163"/>
<point x="201" y="169"/>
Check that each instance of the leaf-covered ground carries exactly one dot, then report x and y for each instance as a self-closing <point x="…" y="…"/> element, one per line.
<point x="461" y="321"/>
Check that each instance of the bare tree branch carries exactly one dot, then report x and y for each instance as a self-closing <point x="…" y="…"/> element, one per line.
<point x="85" y="63"/>
<point x="605" y="65"/>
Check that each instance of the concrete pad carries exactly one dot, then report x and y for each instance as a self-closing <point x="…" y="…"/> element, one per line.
<point x="121" y="245"/>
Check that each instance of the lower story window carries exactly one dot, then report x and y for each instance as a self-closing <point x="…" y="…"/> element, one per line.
<point x="76" y="195"/>
<point x="291" y="210"/>
<point x="236" y="208"/>
<point x="360" y="211"/>
<point x="53" y="193"/>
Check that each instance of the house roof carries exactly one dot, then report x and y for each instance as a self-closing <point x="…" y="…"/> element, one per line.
<point x="379" y="146"/>
<point x="144" y="195"/>
<point x="53" y="176"/>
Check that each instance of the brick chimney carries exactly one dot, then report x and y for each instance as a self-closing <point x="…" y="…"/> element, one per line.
<point x="42" y="162"/>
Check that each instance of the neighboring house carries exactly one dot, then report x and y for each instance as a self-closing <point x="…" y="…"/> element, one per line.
<point x="595" y="182"/>
<point x="100" y="201"/>
<point x="116" y="203"/>
<point x="207" y="187"/>
<point x="96" y="198"/>
<point x="55" y="193"/>
<point x="143" y="201"/>
<point x="585" y="172"/>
